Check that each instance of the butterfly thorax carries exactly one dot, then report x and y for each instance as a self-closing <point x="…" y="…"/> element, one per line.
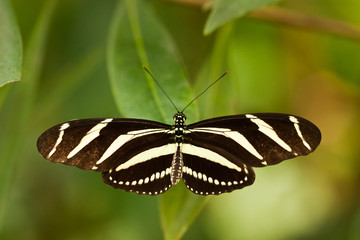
<point x="177" y="163"/>
<point x="179" y="127"/>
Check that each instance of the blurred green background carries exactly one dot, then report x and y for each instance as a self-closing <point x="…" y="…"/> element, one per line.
<point x="81" y="59"/>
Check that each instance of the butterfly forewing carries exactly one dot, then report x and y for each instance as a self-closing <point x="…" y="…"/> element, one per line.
<point x="257" y="139"/>
<point x="96" y="144"/>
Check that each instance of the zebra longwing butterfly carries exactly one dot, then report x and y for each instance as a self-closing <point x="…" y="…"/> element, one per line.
<point x="213" y="156"/>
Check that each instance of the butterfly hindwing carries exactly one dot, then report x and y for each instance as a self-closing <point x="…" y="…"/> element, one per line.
<point x="205" y="177"/>
<point x="150" y="177"/>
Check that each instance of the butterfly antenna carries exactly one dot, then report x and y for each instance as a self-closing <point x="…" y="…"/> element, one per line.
<point x="206" y="89"/>
<point x="160" y="87"/>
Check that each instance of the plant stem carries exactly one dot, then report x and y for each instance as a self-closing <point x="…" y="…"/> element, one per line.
<point x="307" y="22"/>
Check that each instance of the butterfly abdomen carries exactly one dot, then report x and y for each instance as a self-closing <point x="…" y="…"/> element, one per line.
<point x="177" y="165"/>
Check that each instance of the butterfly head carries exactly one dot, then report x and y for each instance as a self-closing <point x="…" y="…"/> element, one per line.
<point x="179" y="118"/>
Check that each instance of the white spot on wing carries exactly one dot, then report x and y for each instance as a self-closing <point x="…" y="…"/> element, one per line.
<point x="204" y="177"/>
<point x="64" y="126"/>
<point x="250" y="116"/>
<point x="293" y="119"/>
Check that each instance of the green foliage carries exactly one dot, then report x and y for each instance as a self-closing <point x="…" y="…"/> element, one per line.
<point x="137" y="38"/>
<point x="178" y="209"/>
<point x="84" y="59"/>
<point x="10" y="45"/>
<point x="226" y="10"/>
<point x="14" y="122"/>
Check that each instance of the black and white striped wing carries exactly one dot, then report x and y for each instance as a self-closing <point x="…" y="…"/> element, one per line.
<point x="210" y="177"/>
<point x="120" y="148"/>
<point x="232" y="145"/>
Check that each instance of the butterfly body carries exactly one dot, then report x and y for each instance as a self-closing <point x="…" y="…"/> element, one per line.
<point x="213" y="156"/>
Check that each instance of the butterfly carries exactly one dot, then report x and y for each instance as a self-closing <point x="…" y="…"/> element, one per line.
<point x="213" y="156"/>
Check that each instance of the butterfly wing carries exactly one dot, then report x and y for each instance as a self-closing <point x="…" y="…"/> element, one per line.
<point x="257" y="139"/>
<point x="205" y="177"/>
<point x="235" y="144"/>
<point x="149" y="177"/>
<point x="115" y="147"/>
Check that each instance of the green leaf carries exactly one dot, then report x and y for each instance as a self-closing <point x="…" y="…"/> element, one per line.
<point x="10" y="45"/>
<point x="227" y="10"/>
<point x="179" y="207"/>
<point x="14" y="124"/>
<point x="137" y="38"/>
